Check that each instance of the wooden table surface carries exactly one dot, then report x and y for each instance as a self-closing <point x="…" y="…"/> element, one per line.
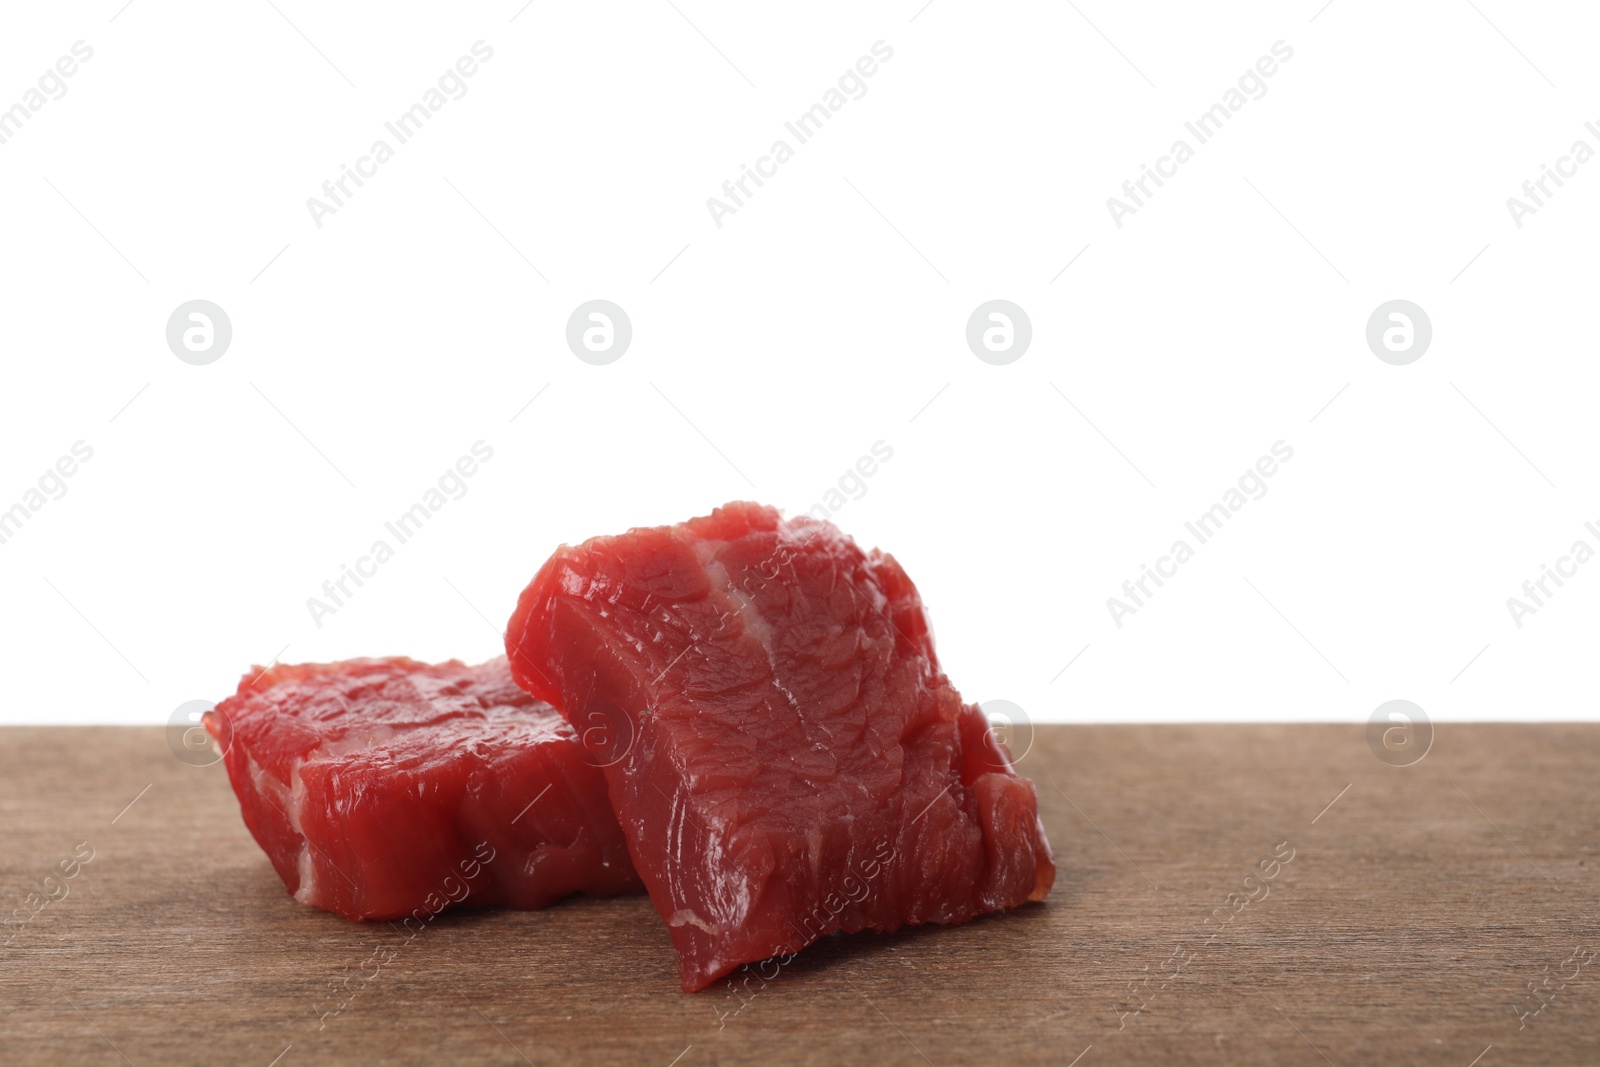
<point x="1442" y="913"/>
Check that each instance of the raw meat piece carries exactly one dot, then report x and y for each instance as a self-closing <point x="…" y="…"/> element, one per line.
<point x="784" y="753"/>
<point x="382" y="788"/>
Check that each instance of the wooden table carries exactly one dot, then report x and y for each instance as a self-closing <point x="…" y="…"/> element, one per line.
<point x="1416" y="910"/>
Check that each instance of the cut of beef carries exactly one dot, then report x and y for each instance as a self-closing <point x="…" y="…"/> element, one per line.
<point x="784" y="753"/>
<point x="382" y="788"/>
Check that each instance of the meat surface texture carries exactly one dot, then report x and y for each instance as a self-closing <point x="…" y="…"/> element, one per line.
<point x="383" y="788"/>
<point x="782" y="749"/>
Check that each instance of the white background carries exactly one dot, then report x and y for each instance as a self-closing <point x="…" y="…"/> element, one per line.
<point x="828" y="314"/>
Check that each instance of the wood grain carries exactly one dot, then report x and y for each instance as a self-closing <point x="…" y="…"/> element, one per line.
<point x="1406" y="927"/>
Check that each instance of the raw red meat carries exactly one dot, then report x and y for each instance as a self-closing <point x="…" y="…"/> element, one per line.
<point x="784" y="753"/>
<point x="382" y="788"/>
